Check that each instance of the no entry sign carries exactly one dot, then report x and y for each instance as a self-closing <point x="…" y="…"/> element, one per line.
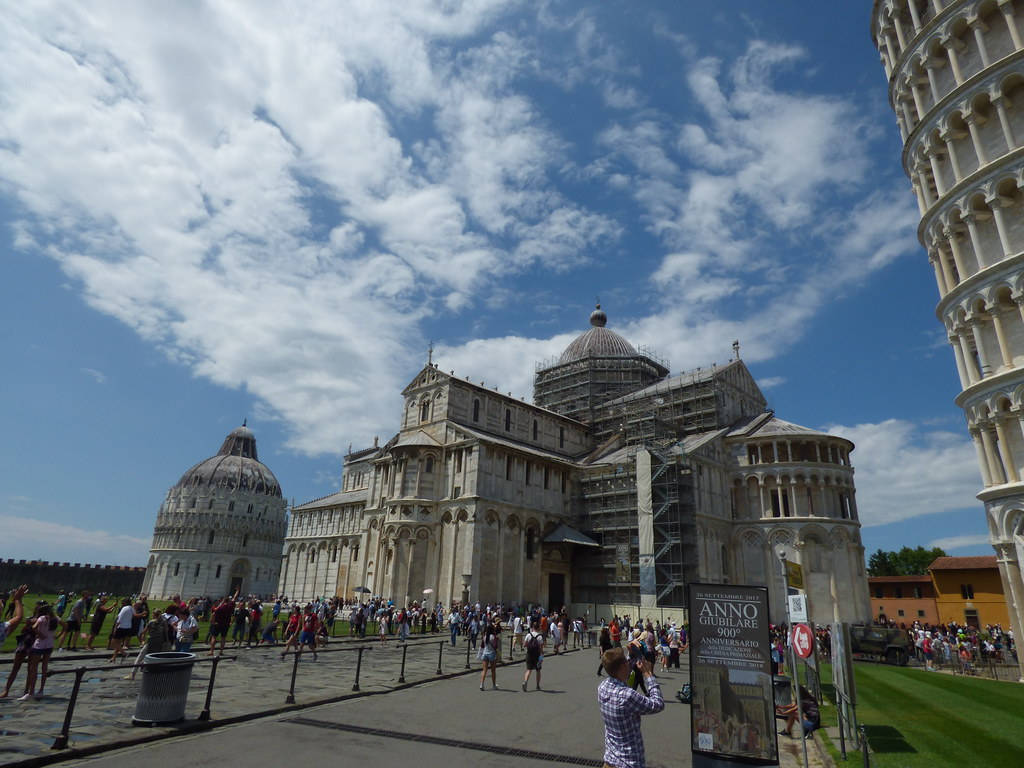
<point x="802" y="639"/>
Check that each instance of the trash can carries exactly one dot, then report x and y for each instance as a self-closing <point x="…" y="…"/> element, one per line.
<point x="164" y="690"/>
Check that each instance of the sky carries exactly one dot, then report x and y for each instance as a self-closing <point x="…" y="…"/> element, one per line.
<point x="269" y="211"/>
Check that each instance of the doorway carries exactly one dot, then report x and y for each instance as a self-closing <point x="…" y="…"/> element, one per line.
<point x="556" y="591"/>
<point x="236" y="585"/>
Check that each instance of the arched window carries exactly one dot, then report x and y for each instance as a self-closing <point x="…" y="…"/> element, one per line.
<point x="476" y="410"/>
<point x="425" y="411"/>
<point x="508" y="467"/>
<point x="210" y="505"/>
<point x="217" y="575"/>
<point x="245" y="540"/>
<point x="249" y="510"/>
<point x="428" y="467"/>
<point x="176" y="567"/>
<point x="534" y="429"/>
<point x="192" y="504"/>
<point x="508" y="419"/>
<point x="561" y="437"/>
<point x="231" y="506"/>
<point x="209" y="538"/>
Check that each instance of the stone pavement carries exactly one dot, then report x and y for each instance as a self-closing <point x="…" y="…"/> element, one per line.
<point x="444" y="722"/>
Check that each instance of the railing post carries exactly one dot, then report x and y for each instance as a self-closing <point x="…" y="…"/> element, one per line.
<point x="864" y="745"/>
<point x="401" y="676"/>
<point x="290" y="698"/>
<point x="440" y="650"/>
<point x="61" y="742"/>
<point x="205" y="714"/>
<point x="467" y="652"/>
<point x="359" y="665"/>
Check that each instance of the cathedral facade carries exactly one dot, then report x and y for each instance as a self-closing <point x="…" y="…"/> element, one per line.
<point x="620" y="484"/>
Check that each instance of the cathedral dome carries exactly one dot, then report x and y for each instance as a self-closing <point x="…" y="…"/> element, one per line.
<point x="235" y="467"/>
<point x="598" y="341"/>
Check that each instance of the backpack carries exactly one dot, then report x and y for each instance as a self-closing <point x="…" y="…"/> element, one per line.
<point x="533" y="643"/>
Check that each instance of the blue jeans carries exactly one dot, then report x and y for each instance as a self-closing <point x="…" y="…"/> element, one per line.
<point x="455" y="632"/>
<point x="184" y="647"/>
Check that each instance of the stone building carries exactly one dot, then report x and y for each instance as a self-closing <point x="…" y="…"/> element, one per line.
<point x="955" y="71"/>
<point x="220" y="528"/>
<point x="620" y="484"/>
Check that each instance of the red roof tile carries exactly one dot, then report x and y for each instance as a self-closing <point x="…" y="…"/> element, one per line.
<point x="963" y="563"/>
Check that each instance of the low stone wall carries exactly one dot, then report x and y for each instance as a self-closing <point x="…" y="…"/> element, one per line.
<point x="45" y="577"/>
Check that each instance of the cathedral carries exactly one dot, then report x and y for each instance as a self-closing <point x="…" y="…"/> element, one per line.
<point x="619" y="485"/>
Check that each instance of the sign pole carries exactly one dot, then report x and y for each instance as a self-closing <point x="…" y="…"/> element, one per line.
<point x="792" y="653"/>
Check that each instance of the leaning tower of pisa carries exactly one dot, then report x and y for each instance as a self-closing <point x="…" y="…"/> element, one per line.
<point x="956" y="83"/>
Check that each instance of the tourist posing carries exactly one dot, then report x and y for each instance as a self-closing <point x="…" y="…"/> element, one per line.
<point x="489" y="652"/>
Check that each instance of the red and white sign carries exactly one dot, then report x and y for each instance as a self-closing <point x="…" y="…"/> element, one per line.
<point x="802" y="639"/>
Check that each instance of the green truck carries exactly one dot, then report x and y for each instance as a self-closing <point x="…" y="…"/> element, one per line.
<point x="871" y="643"/>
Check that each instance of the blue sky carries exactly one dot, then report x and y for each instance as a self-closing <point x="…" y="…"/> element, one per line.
<point x="243" y="211"/>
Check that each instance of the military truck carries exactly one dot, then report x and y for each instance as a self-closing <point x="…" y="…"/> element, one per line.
<point x="883" y="644"/>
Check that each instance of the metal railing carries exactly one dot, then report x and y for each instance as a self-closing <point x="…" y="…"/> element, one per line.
<point x="61" y="742"/>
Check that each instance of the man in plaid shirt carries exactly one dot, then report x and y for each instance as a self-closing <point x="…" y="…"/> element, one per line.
<point x="621" y="708"/>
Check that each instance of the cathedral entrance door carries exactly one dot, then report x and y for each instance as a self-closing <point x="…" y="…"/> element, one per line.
<point x="556" y="591"/>
<point x="236" y="585"/>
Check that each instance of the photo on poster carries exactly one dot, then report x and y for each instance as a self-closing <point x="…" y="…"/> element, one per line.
<point x="733" y="709"/>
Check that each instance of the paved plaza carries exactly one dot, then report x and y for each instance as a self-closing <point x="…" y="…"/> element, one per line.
<point x="443" y="722"/>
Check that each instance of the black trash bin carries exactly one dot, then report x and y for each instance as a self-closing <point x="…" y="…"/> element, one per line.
<point x="164" y="690"/>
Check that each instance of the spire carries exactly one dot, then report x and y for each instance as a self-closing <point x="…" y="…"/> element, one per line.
<point x="430" y="353"/>
<point x="736" y="348"/>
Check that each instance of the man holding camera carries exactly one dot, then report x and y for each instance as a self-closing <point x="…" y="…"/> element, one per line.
<point x="622" y="707"/>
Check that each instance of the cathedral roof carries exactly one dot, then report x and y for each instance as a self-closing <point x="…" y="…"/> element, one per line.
<point x="236" y="467"/>
<point x="769" y="425"/>
<point x="597" y="342"/>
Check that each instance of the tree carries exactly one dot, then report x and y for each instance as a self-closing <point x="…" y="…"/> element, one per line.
<point x="905" y="562"/>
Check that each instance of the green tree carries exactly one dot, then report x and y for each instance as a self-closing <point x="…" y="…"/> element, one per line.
<point x="906" y="562"/>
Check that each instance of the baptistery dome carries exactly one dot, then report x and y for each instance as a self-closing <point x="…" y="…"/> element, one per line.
<point x="598" y="341"/>
<point x="220" y="528"/>
<point x="236" y="466"/>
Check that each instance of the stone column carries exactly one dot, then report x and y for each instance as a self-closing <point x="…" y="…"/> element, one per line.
<point x="992" y="455"/>
<point x="764" y="508"/>
<point x="986" y="367"/>
<point x="521" y="560"/>
<point x="954" y="159"/>
<point x="954" y="342"/>
<point x="986" y="475"/>
<point x="1006" y="6"/>
<point x="1004" y="348"/>
<point x="915" y="17"/>
<point x="973" y="374"/>
<point x="940" y="279"/>
<point x="980" y="27"/>
<point x="971" y="220"/>
<point x="1009" y="573"/>
<point x="950" y="43"/>
<point x="1006" y="452"/>
<point x="794" y="510"/>
<point x="971" y="118"/>
<point x="501" y="560"/>
<point x="1004" y="121"/>
<point x="407" y="576"/>
<point x="951" y="234"/>
<point x="996" y="206"/>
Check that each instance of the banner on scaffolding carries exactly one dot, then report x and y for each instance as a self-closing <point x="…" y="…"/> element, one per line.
<point x="733" y="709"/>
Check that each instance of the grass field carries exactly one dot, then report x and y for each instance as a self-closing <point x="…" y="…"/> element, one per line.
<point x="916" y="718"/>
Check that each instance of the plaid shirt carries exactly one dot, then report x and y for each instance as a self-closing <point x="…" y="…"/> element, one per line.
<point x="621" y="708"/>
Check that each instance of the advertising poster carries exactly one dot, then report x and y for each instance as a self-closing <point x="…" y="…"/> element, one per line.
<point x="733" y="710"/>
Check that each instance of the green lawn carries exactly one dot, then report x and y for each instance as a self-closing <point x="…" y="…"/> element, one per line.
<point x="918" y="718"/>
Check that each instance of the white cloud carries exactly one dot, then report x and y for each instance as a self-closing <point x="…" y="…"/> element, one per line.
<point x="768" y="382"/>
<point x="904" y="471"/>
<point x="31" y="538"/>
<point x="966" y="541"/>
<point x="98" y="376"/>
<point x="232" y="182"/>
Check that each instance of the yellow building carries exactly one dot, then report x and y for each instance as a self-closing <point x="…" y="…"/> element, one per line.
<point x="968" y="590"/>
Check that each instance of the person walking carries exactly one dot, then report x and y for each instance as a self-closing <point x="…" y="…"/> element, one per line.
<point x="68" y="638"/>
<point x="605" y="644"/>
<point x="489" y="654"/>
<point x="220" y="620"/>
<point x="534" y="653"/>
<point x="622" y="707"/>
<point x="157" y="637"/>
